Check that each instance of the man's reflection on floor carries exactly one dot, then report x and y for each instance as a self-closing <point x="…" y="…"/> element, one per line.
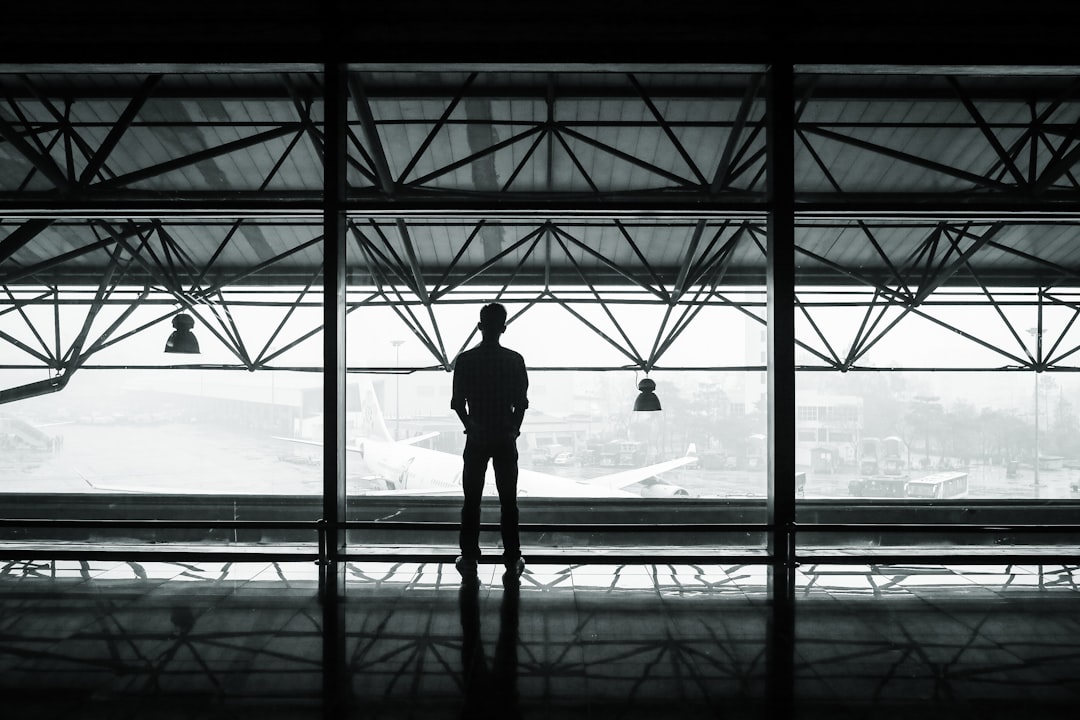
<point x="490" y="692"/>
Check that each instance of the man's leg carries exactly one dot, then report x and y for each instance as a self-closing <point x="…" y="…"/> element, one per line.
<point x="474" y="466"/>
<point x="504" y="460"/>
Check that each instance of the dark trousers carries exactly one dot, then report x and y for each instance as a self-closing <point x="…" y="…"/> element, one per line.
<point x="504" y="461"/>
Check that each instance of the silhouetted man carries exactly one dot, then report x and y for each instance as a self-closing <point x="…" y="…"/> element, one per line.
<point x="490" y="397"/>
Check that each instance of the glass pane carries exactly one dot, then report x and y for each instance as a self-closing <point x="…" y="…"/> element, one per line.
<point x="158" y="390"/>
<point x="936" y="378"/>
<point x="859" y="429"/>
<point x="417" y="286"/>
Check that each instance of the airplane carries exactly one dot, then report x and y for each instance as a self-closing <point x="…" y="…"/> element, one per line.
<point x="404" y="468"/>
<point x="16" y="433"/>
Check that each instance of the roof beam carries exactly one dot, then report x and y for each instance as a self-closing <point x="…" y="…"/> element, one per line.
<point x="942" y="275"/>
<point x="688" y="258"/>
<point x="414" y="263"/>
<point x="723" y="169"/>
<point x="20" y="237"/>
<point x="371" y="134"/>
<point x="439" y="124"/>
<point x="975" y="179"/>
<point x="201" y="155"/>
<point x="988" y="133"/>
<point x="118" y="129"/>
<point x="41" y="162"/>
<point x="667" y="129"/>
<point x="1061" y="163"/>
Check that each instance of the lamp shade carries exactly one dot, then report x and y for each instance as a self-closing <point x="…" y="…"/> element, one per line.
<point x="646" y="400"/>
<point x="182" y="339"/>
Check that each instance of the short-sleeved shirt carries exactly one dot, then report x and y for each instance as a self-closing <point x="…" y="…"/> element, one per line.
<point x="490" y="380"/>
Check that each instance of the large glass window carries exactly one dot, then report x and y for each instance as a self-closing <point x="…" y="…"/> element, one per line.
<point x="619" y="216"/>
<point x="935" y="342"/>
<point x="162" y="389"/>
<point x="588" y="329"/>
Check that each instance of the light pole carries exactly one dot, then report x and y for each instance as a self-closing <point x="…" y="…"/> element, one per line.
<point x="1036" y="333"/>
<point x="1036" y="431"/>
<point x="397" y="387"/>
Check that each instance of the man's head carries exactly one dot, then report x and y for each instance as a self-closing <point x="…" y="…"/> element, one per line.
<point x="492" y="320"/>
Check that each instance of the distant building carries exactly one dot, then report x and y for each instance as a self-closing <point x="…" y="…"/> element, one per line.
<point x="827" y="428"/>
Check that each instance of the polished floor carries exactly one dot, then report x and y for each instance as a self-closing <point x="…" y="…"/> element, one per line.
<point x="237" y="640"/>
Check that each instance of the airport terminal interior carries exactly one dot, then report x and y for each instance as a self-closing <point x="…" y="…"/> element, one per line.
<point x="797" y="291"/>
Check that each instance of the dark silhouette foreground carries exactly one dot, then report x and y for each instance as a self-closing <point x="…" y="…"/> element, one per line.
<point x="490" y="396"/>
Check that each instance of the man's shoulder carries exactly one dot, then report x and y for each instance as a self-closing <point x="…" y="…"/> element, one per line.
<point x="511" y="353"/>
<point x="479" y="352"/>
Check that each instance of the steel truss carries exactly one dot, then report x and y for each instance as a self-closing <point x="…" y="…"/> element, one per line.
<point x="526" y="270"/>
<point x="151" y="269"/>
<point x="170" y="141"/>
<point x="944" y="269"/>
<point x="1012" y="144"/>
<point x="176" y="137"/>
<point x="542" y="263"/>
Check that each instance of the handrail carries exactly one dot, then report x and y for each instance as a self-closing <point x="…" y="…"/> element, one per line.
<point x="964" y="528"/>
<point x="560" y="527"/>
<point x="175" y="524"/>
<point x="373" y="525"/>
<point x="403" y="525"/>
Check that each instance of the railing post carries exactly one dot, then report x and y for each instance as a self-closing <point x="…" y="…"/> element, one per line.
<point x="332" y="567"/>
<point x="780" y="281"/>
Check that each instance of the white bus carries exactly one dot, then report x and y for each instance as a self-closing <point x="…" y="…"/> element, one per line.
<point x="938" y="486"/>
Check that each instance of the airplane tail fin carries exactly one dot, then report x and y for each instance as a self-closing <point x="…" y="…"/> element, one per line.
<point x="372" y="424"/>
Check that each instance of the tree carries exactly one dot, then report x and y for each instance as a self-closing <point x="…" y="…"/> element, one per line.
<point x="1003" y="436"/>
<point x="959" y="438"/>
<point x="1064" y="436"/>
<point x="922" y="421"/>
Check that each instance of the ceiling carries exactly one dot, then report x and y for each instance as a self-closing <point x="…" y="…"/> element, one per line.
<point x="562" y="148"/>
<point x="621" y="174"/>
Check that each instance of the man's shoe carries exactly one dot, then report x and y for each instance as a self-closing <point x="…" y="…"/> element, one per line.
<point x="514" y="568"/>
<point x="465" y="566"/>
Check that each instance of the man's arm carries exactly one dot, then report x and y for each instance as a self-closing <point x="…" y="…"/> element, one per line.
<point x="522" y="401"/>
<point x="464" y="416"/>
<point x="458" y="400"/>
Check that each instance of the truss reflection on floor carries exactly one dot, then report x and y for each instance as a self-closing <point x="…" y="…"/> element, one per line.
<point x="126" y="639"/>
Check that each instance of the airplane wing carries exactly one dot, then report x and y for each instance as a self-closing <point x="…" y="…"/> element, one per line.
<point x="426" y="492"/>
<point x="133" y="489"/>
<point x="316" y="443"/>
<point x="418" y="438"/>
<point x="421" y="471"/>
<point x="351" y="448"/>
<point x="537" y="483"/>
<point x="301" y="441"/>
<point x="636" y="475"/>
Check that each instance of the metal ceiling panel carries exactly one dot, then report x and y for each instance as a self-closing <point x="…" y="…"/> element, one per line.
<point x="609" y="138"/>
<point x="577" y="133"/>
